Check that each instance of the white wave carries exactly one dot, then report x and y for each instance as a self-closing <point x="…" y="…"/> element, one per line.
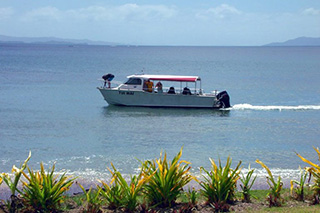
<point x="271" y="107"/>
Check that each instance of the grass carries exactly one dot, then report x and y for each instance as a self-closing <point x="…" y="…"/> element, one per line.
<point x="296" y="209"/>
<point x="259" y="204"/>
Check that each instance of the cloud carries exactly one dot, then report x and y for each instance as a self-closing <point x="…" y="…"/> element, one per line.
<point x="95" y="13"/>
<point x="219" y="12"/>
<point x="126" y="12"/>
<point x="6" y="12"/>
<point x="311" y="11"/>
<point x="48" y="13"/>
<point x="129" y="12"/>
<point x="145" y="11"/>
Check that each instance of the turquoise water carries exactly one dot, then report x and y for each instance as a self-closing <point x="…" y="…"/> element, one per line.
<point x="49" y="104"/>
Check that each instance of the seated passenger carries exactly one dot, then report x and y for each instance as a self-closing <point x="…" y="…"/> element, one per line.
<point x="186" y="91"/>
<point x="149" y="85"/>
<point x="171" y="90"/>
<point x="145" y="87"/>
<point x="159" y="87"/>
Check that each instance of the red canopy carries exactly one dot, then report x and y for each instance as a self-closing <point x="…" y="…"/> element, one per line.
<point x="168" y="77"/>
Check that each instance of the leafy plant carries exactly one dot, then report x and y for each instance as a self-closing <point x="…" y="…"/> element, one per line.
<point x="93" y="200"/>
<point x="246" y="185"/>
<point x="274" y="195"/>
<point x="44" y="192"/>
<point x="132" y="190"/>
<point x="192" y="195"/>
<point x="112" y="193"/>
<point x="301" y="183"/>
<point x="17" y="172"/>
<point x="13" y="184"/>
<point x="219" y="184"/>
<point x="167" y="179"/>
<point x="315" y="171"/>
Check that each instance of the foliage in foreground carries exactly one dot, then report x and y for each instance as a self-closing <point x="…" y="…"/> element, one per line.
<point x="219" y="184"/>
<point x="129" y="191"/>
<point x="157" y="175"/>
<point x="246" y="185"/>
<point x="192" y="196"/>
<point x="13" y="185"/>
<point x="17" y="175"/>
<point x="274" y="195"/>
<point x="44" y="191"/>
<point x="93" y="200"/>
<point x="167" y="179"/>
<point x="315" y="171"/>
<point x="299" y="190"/>
<point x="112" y="193"/>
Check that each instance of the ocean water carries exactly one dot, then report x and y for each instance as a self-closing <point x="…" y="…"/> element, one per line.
<point x="49" y="104"/>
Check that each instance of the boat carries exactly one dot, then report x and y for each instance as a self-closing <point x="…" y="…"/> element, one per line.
<point x="143" y="90"/>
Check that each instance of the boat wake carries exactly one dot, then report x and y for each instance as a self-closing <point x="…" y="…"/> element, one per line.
<point x="252" y="107"/>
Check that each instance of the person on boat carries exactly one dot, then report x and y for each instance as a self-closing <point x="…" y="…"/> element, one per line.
<point x="186" y="91"/>
<point x="107" y="79"/>
<point x="171" y="90"/>
<point x="145" y="87"/>
<point x="149" y="85"/>
<point x="159" y="87"/>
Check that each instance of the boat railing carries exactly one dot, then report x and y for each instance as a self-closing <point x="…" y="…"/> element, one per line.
<point x="193" y="91"/>
<point x="113" y="84"/>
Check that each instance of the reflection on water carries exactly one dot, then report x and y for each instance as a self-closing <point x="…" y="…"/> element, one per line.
<point x="124" y="111"/>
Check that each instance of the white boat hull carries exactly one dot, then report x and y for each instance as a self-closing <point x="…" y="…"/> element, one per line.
<point x="147" y="99"/>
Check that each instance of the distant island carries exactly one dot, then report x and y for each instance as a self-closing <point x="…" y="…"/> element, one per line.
<point x="52" y="40"/>
<point x="301" y="41"/>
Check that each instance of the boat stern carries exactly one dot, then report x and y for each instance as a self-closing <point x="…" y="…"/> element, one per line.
<point x="223" y="100"/>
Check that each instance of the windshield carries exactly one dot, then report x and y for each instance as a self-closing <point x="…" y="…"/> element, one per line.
<point x="133" y="81"/>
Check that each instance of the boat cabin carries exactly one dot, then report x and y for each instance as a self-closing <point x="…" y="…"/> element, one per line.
<point x="139" y="82"/>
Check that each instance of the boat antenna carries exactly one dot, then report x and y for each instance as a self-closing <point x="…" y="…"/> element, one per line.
<point x="142" y="71"/>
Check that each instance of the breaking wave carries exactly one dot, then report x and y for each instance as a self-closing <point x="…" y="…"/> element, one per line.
<point x="271" y="107"/>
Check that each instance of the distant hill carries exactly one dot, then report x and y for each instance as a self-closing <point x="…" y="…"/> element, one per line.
<point x="52" y="40"/>
<point x="301" y="41"/>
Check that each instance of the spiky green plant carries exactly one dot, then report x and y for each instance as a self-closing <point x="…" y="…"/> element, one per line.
<point x="299" y="190"/>
<point x="112" y="192"/>
<point x="168" y="179"/>
<point x="13" y="184"/>
<point x="192" y="195"/>
<point x="219" y="184"/>
<point x="132" y="190"/>
<point x="315" y="171"/>
<point x="246" y="185"/>
<point x="93" y="200"/>
<point x="44" y="192"/>
<point x="274" y="195"/>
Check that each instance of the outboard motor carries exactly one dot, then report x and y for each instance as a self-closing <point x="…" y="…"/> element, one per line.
<point x="224" y="99"/>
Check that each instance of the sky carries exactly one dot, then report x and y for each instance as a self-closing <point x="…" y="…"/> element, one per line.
<point x="163" y="22"/>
